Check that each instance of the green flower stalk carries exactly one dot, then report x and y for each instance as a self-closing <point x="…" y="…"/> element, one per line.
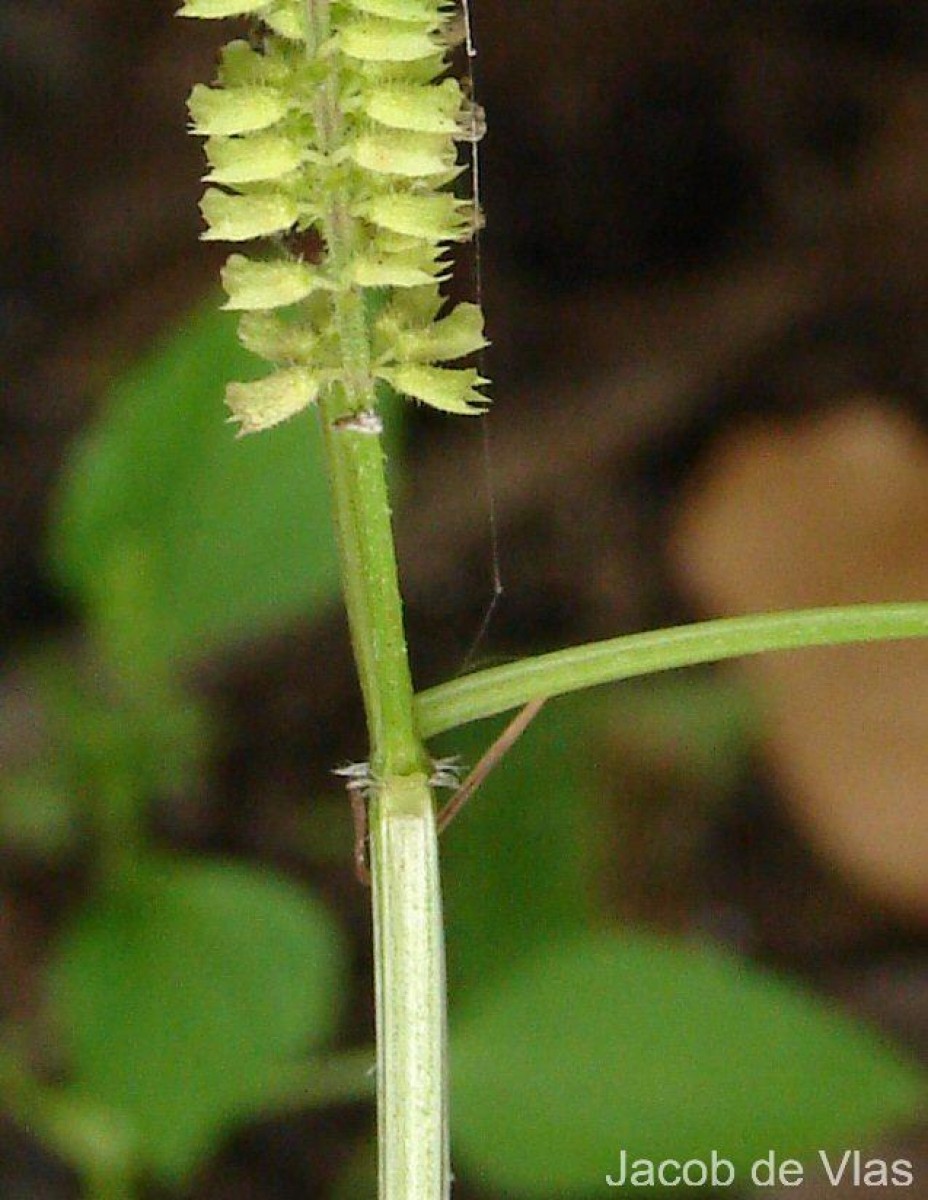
<point x="335" y="141"/>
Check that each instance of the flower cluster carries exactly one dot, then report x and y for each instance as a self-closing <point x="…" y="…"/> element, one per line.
<point x="332" y="137"/>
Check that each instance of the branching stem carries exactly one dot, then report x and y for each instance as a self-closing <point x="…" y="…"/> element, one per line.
<point x="486" y="693"/>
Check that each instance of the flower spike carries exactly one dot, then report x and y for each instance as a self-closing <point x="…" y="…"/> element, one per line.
<point x="339" y="121"/>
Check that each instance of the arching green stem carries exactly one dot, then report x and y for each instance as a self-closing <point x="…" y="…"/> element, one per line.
<point x="486" y="693"/>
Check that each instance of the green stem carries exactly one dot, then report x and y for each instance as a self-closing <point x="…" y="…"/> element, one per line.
<point x="406" y="895"/>
<point x="409" y="955"/>
<point x="486" y="693"/>
<point x="372" y="598"/>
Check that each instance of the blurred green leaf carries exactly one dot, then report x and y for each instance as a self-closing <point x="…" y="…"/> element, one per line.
<point x="516" y="862"/>
<point x="179" y="534"/>
<point x="181" y="996"/>
<point x="151" y="735"/>
<point x="37" y="815"/>
<point x="620" y="1042"/>
<point x="706" y="721"/>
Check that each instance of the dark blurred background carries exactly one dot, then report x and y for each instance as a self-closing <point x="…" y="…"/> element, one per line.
<point x="705" y="271"/>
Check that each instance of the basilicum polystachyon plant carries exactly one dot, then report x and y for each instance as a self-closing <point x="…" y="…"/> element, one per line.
<point x="342" y="125"/>
<point x="331" y="142"/>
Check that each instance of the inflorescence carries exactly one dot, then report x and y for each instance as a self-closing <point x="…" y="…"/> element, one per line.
<point x="331" y="136"/>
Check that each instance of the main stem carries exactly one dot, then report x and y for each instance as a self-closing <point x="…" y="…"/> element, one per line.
<point x="409" y="961"/>
<point x="409" y="957"/>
